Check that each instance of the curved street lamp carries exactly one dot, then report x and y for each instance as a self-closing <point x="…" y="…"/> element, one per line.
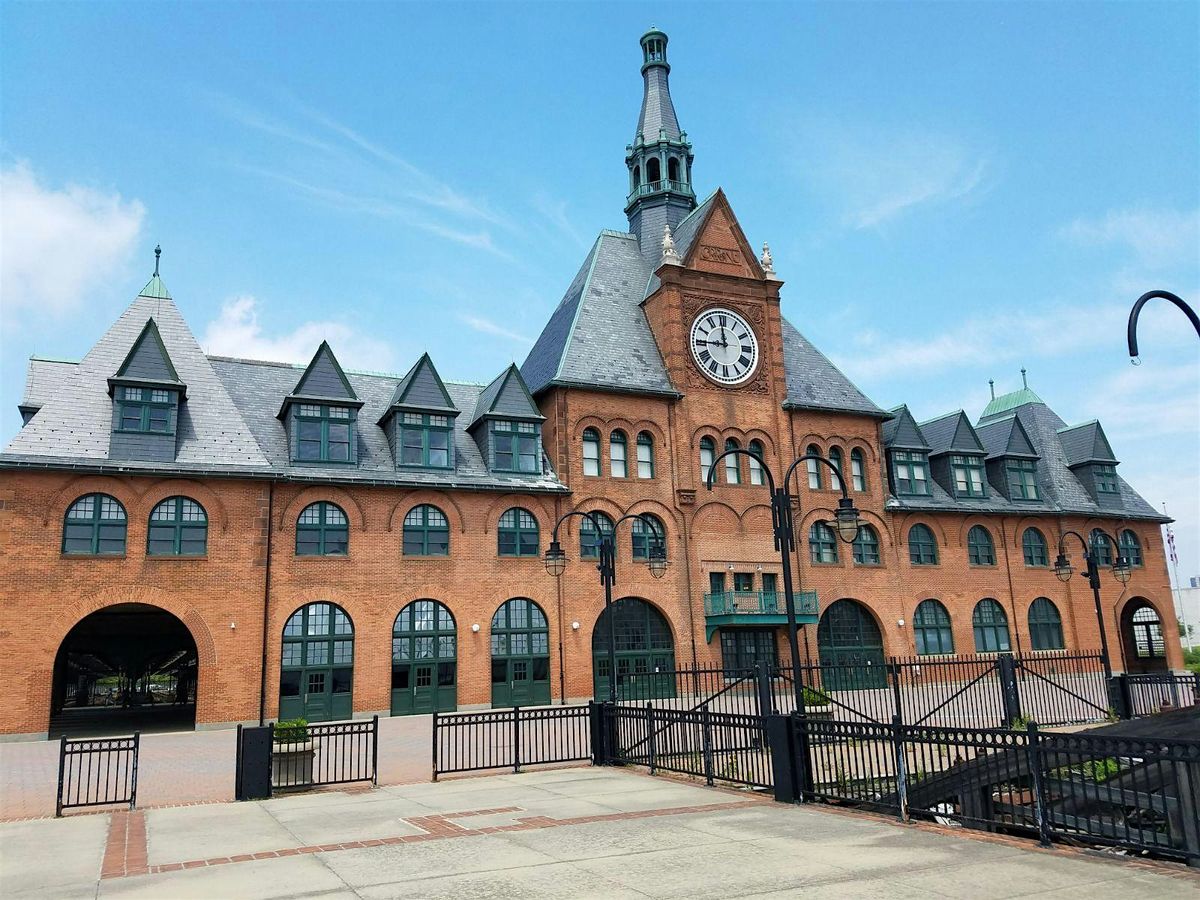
<point x="556" y="564"/>
<point x="1131" y="328"/>
<point x="846" y="518"/>
<point x="1122" y="570"/>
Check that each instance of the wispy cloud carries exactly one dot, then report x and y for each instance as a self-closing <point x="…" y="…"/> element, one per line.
<point x="58" y="242"/>
<point x="236" y="331"/>
<point x="1157" y="237"/>
<point x="487" y="326"/>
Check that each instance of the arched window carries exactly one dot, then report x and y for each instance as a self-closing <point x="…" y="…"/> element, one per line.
<point x="1045" y="625"/>
<point x="591" y="452"/>
<point x="1147" y="633"/>
<point x="980" y="549"/>
<point x="866" y="546"/>
<point x="922" y="546"/>
<point x="850" y="646"/>
<point x="858" y="470"/>
<point x="931" y="627"/>
<point x="822" y="543"/>
<point x="653" y="170"/>
<point x="644" y="651"/>
<point x="618" y="464"/>
<point x="322" y="530"/>
<point x="673" y="169"/>
<point x="426" y="532"/>
<point x="1101" y="548"/>
<point x="757" y="471"/>
<point x="589" y="537"/>
<point x="814" y="467"/>
<point x="645" y="454"/>
<point x="637" y="176"/>
<point x="1131" y="547"/>
<point x="317" y="664"/>
<point x="517" y="534"/>
<point x="645" y="537"/>
<point x="733" y="463"/>
<point x="1033" y="545"/>
<point x="708" y="452"/>
<point x="520" y="654"/>
<point x="95" y="525"/>
<point x="991" y="627"/>
<point x="835" y="457"/>
<point x="178" y="527"/>
<point x="424" y="659"/>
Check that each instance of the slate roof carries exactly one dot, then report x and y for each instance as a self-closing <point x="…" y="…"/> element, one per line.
<point x="1086" y="443"/>
<point x="506" y="396"/>
<point x="901" y="431"/>
<point x="813" y="382"/>
<point x="951" y="433"/>
<point x="658" y="111"/>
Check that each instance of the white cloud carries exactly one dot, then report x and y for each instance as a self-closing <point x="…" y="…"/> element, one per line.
<point x="1157" y="237"/>
<point x="237" y="332"/>
<point x="56" y="244"/>
<point x="487" y="326"/>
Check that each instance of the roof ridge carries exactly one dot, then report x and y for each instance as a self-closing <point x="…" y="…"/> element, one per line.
<point x="957" y="412"/>
<point x="1080" y="425"/>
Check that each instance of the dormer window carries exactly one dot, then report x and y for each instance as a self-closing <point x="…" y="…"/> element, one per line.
<point x="1106" y="480"/>
<point x="425" y="441"/>
<point x="968" y="476"/>
<point x="1022" y="479"/>
<point x="911" y="471"/>
<point x="146" y="410"/>
<point x="515" y="446"/>
<point x="323" y="433"/>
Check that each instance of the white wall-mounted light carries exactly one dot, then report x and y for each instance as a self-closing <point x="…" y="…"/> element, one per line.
<point x="731" y="567"/>
<point x="574" y="626"/>
<point x="900" y="622"/>
<point x="232" y="626"/>
<point x="475" y="627"/>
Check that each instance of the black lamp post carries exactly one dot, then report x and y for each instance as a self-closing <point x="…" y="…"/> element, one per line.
<point x="556" y="564"/>
<point x="783" y="525"/>
<point x="1131" y="328"/>
<point x="1121" y="569"/>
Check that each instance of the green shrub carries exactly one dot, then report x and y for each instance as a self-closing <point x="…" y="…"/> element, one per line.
<point x="814" y="698"/>
<point x="289" y="731"/>
<point x="1191" y="659"/>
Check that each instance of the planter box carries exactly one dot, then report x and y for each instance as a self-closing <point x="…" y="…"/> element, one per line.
<point x="292" y="765"/>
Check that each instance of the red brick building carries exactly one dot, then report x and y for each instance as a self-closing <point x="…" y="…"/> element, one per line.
<point x="214" y="540"/>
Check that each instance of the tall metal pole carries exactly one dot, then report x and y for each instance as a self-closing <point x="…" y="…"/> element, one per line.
<point x="784" y="539"/>
<point x="608" y="573"/>
<point x="1093" y="574"/>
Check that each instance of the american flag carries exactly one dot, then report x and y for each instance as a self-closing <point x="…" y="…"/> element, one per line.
<point x="1171" y="545"/>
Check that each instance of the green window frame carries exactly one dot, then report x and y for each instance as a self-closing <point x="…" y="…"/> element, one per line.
<point x="981" y="550"/>
<point x="520" y="629"/>
<point x="515" y="446"/>
<point x="1035" y="549"/>
<point x="990" y="624"/>
<point x="424" y="441"/>
<point x="822" y="544"/>
<point x="912" y="473"/>
<point x="931" y="629"/>
<point x="425" y="630"/>
<point x="618" y="454"/>
<point x="813" y="467"/>
<point x="866" y="546"/>
<point x="743" y="648"/>
<point x="644" y="537"/>
<point x="645" y="455"/>
<point x="968" y="476"/>
<point x="589" y="538"/>
<point x="1045" y="625"/>
<point x="426" y="532"/>
<point x="1101" y="548"/>
<point x="708" y="453"/>
<point x="1022" y="479"/>
<point x="733" y="463"/>
<point x="324" y="433"/>
<point x="1106" y="480"/>
<point x="835" y="457"/>
<point x="1131" y="548"/>
<point x="591" y="453"/>
<point x="922" y="546"/>
<point x="318" y="634"/>
<point x="758" y="474"/>
<point x="322" y="529"/>
<point x="517" y="534"/>
<point x="178" y="527"/>
<point x="145" y="410"/>
<point x="1146" y="626"/>
<point x="858" y="470"/>
<point x="95" y="525"/>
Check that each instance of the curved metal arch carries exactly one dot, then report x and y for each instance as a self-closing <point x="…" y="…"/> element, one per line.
<point x="1131" y="328"/>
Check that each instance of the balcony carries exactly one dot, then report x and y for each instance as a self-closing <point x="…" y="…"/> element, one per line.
<point x="655" y="187"/>
<point x="726" y="608"/>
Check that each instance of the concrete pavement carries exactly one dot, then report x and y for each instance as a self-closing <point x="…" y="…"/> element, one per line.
<point x="583" y="832"/>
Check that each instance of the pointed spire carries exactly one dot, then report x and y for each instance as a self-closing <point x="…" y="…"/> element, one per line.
<point x="1024" y="380"/>
<point x="767" y="262"/>
<point x="670" y="257"/>
<point x="155" y="289"/>
<point x="992" y="387"/>
<point x="157" y="254"/>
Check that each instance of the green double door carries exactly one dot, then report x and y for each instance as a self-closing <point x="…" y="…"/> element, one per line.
<point x="317" y="664"/>
<point x="424" y="687"/>
<point x="520" y="681"/>
<point x="520" y="645"/>
<point x="641" y="675"/>
<point x="851" y="649"/>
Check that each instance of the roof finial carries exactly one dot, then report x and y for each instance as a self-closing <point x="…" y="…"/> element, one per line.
<point x="157" y="254"/>
<point x="992" y="387"/>
<point x="1024" y="380"/>
<point x="768" y="264"/>
<point x="670" y="256"/>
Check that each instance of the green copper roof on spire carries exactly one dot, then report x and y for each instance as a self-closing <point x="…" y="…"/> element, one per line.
<point x="1007" y="402"/>
<point x="155" y="289"/>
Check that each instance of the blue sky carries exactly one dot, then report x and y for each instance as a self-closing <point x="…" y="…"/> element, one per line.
<point x="951" y="191"/>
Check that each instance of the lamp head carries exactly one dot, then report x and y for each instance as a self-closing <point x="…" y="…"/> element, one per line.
<point x="1122" y="570"/>
<point x="658" y="561"/>
<point x="1062" y="568"/>
<point x="847" y="520"/>
<point x="556" y="559"/>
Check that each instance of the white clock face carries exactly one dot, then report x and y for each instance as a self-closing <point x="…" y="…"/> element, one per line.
<point x="724" y="346"/>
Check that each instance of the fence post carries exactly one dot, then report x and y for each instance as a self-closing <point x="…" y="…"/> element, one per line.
<point x="516" y="739"/>
<point x="1033" y="750"/>
<point x="762" y="681"/>
<point x="1120" y="695"/>
<point x="62" y="766"/>
<point x="375" y="750"/>
<point x="780" y="738"/>
<point x="435" y="745"/>
<point x="1187" y="788"/>
<point x="650" y="736"/>
<point x="706" y="737"/>
<point x="901" y="766"/>
<point x="137" y="742"/>
<point x="894" y="670"/>
<point x="1011" y="699"/>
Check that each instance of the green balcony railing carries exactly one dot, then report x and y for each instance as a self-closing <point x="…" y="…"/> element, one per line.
<point x="757" y="603"/>
<point x="654" y="187"/>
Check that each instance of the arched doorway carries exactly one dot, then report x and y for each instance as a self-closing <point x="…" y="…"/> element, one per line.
<point x="424" y="660"/>
<point x="317" y="664"/>
<point x="1142" y="637"/>
<point x="128" y="667"/>
<point x="645" y="652"/>
<point x="851" y="648"/>
<point x="520" y="654"/>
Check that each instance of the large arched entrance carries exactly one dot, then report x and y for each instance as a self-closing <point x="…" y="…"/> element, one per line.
<point x="128" y="667"/>
<point x="645" y="651"/>
<point x="851" y="648"/>
<point x="1142" y="637"/>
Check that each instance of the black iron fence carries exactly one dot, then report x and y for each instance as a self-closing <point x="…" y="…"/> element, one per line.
<point x="1156" y="692"/>
<point x="325" y="753"/>
<point x="97" y="772"/>
<point x="511" y="738"/>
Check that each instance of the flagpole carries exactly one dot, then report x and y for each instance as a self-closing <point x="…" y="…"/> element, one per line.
<point x="1177" y="600"/>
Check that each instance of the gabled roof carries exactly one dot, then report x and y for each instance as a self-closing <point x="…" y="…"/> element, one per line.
<point x="506" y="397"/>
<point x="148" y="359"/>
<point x="1086" y="443"/>
<point x="324" y="378"/>
<point x="951" y="433"/>
<point x="422" y="388"/>
<point x="901" y="432"/>
<point x="1006" y="437"/>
